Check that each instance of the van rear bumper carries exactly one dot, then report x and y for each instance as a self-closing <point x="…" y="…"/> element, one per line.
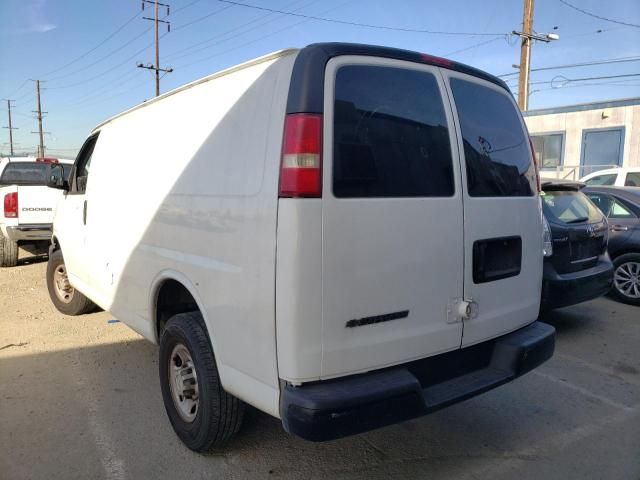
<point x="332" y="409"/>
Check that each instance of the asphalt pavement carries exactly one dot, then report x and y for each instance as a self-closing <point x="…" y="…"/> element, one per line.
<point x="80" y="399"/>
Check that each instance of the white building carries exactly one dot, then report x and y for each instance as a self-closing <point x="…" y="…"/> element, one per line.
<point x="575" y="140"/>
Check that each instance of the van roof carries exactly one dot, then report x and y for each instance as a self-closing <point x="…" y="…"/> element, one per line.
<point x="307" y="83"/>
<point x="226" y="71"/>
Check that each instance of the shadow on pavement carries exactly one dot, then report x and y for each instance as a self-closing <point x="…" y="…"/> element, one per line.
<point x="97" y="412"/>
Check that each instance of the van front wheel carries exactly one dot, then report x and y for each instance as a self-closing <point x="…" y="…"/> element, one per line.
<point x="202" y="414"/>
<point x="65" y="298"/>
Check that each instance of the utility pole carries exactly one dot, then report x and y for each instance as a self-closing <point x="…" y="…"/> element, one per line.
<point x="39" y="112"/>
<point x="10" y="127"/>
<point x="528" y="36"/>
<point x="525" y="56"/>
<point x="156" y="20"/>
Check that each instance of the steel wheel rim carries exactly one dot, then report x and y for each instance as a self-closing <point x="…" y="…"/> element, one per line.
<point x="626" y="279"/>
<point x="63" y="289"/>
<point x="183" y="382"/>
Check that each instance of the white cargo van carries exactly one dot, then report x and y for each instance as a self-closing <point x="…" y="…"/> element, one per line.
<point x="343" y="236"/>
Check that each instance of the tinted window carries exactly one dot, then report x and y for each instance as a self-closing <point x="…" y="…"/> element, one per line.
<point x="569" y="207"/>
<point x="603" y="202"/>
<point x="25" y="173"/>
<point x="390" y="135"/>
<point x="496" y="149"/>
<point x="608" y="179"/>
<point x="548" y="149"/>
<point x="633" y="179"/>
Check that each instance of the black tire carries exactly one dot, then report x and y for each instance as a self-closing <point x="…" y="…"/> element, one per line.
<point x="219" y="414"/>
<point x="8" y="252"/>
<point x="76" y="303"/>
<point x="618" y="262"/>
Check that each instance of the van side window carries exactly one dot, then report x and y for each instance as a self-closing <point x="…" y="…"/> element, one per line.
<point x="496" y="149"/>
<point x="390" y="134"/>
<point x="80" y="173"/>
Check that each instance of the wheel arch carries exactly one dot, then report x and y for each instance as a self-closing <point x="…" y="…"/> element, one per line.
<point x="172" y="293"/>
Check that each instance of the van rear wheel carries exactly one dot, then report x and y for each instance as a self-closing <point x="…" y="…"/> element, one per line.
<point x="202" y="414"/>
<point x="8" y="252"/>
<point x="65" y="298"/>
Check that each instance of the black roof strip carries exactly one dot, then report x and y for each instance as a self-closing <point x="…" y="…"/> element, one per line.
<point x="306" y="93"/>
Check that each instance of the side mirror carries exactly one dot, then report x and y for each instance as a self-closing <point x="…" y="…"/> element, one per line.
<point x="56" y="178"/>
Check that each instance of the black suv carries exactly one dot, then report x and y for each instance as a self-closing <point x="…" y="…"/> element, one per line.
<point x="577" y="267"/>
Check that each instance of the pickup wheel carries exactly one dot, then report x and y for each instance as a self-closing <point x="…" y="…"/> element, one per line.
<point x="202" y="414"/>
<point x="626" y="278"/>
<point x="8" y="252"/>
<point x="66" y="299"/>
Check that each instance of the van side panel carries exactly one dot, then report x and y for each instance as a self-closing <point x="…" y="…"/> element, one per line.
<point x="188" y="184"/>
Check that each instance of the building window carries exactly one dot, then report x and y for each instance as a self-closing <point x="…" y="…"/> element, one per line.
<point x="548" y="149"/>
<point x="601" y="148"/>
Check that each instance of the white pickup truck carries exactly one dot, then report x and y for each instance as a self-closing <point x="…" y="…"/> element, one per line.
<point x="28" y="205"/>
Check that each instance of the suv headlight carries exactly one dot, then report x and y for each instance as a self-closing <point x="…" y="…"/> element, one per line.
<point x="547" y="242"/>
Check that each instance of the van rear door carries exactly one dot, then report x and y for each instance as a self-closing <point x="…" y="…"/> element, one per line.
<point x="391" y="216"/>
<point x="503" y="222"/>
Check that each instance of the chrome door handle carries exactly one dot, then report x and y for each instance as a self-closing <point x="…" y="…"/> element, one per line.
<point x="619" y="228"/>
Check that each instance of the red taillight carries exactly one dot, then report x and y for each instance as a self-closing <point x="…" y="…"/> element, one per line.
<point x="301" y="167"/>
<point x="535" y="165"/>
<point x="11" y="205"/>
<point x="47" y="160"/>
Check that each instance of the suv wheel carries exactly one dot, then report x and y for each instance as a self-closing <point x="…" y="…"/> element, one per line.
<point x="8" y="252"/>
<point x="202" y="414"/>
<point x="66" y="299"/>
<point x="626" y="278"/>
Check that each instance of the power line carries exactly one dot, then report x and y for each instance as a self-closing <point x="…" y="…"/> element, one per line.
<point x="356" y="24"/>
<point x="103" y="57"/>
<point x="257" y="39"/>
<point x="96" y="47"/>
<point x="475" y="45"/>
<point x="583" y="64"/>
<point x="598" y="16"/>
<point x="584" y="79"/>
<point x="190" y="49"/>
<point x="220" y="10"/>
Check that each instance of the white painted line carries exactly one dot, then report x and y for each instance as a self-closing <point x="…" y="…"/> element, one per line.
<point x="583" y="391"/>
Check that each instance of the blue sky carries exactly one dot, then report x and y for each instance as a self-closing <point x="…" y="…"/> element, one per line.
<point x="43" y="38"/>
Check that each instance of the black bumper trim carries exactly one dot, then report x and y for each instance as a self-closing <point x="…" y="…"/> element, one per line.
<point x="565" y="289"/>
<point x="333" y="409"/>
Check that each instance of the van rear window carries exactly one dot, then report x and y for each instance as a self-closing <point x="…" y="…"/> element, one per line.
<point x="496" y="148"/>
<point x="28" y="173"/>
<point x="390" y="134"/>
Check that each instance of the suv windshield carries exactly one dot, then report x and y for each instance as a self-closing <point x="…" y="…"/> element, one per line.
<point x="29" y="173"/>
<point x="569" y="207"/>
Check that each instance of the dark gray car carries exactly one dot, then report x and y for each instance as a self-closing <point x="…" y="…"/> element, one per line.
<point x="621" y="205"/>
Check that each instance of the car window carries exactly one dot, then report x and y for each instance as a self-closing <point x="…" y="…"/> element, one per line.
<point x="605" y="179"/>
<point x="496" y="149"/>
<point x="603" y="202"/>
<point x="633" y="179"/>
<point x="390" y="134"/>
<point x="25" y="173"/>
<point x="569" y="207"/>
<point x="618" y="210"/>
